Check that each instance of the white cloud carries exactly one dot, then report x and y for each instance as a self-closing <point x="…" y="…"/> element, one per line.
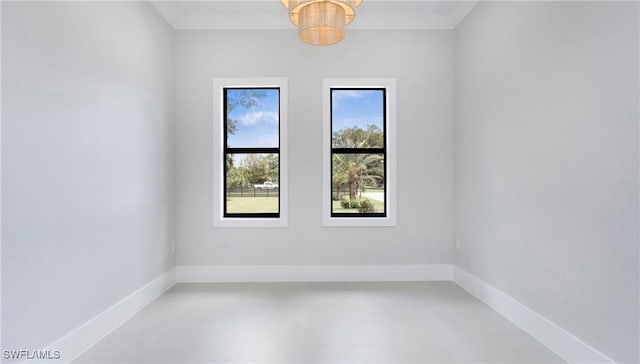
<point x="339" y="95"/>
<point x="253" y="117"/>
<point x="354" y="94"/>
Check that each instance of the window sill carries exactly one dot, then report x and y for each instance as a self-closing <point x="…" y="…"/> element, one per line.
<point x="243" y="222"/>
<point x="359" y="222"/>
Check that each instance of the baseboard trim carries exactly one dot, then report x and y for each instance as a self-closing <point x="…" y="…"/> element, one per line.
<point x="557" y="339"/>
<point x="314" y="273"/>
<point x="73" y="344"/>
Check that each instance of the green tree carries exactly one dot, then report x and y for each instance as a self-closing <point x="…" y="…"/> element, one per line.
<point x="236" y="177"/>
<point x="255" y="168"/>
<point x="273" y="168"/>
<point x="375" y="136"/>
<point x="356" y="170"/>
<point x="372" y="137"/>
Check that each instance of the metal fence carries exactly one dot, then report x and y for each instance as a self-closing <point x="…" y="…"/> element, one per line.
<point x="250" y="191"/>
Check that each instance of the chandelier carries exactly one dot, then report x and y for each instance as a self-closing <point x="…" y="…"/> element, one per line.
<point x="321" y="22"/>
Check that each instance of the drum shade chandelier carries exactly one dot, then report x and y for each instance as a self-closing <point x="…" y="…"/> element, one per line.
<point x="321" y="22"/>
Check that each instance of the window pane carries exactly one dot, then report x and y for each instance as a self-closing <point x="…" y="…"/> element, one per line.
<point x="253" y="117"/>
<point x="357" y="118"/>
<point x="358" y="183"/>
<point x="252" y="183"/>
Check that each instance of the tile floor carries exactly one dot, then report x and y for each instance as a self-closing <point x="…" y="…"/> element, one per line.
<point x="390" y="322"/>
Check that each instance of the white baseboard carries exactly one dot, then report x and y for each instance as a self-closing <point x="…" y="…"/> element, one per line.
<point x="314" y="273"/>
<point x="557" y="339"/>
<point x="84" y="337"/>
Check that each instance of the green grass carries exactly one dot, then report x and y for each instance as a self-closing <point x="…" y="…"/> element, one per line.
<point x="378" y="206"/>
<point x="252" y="204"/>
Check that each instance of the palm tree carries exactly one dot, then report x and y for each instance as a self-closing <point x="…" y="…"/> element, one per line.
<point x="355" y="168"/>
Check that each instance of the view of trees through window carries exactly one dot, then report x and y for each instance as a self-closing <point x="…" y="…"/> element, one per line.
<point x="358" y="152"/>
<point x="252" y="153"/>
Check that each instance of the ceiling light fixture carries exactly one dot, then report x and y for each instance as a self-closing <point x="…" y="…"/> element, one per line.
<point x="321" y="22"/>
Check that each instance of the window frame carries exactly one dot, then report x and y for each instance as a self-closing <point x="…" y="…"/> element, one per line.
<point x="369" y="150"/>
<point x="246" y="150"/>
<point x="220" y="150"/>
<point x="389" y="151"/>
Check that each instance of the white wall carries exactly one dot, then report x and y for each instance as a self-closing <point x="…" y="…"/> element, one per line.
<point x="547" y="162"/>
<point x="546" y="153"/>
<point x="422" y="63"/>
<point x="87" y="95"/>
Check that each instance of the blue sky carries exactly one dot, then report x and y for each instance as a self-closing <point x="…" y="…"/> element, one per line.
<point x="257" y="126"/>
<point x="357" y="108"/>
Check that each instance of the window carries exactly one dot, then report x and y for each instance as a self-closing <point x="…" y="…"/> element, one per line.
<point x="359" y="153"/>
<point x="250" y="156"/>
<point x="251" y="152"/>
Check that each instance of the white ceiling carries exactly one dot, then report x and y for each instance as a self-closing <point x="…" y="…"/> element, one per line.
<point x="270" y="14"/>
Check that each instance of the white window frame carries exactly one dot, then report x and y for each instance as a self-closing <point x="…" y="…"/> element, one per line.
<point x="219" y="84"/>
<point x="390" y="86"/>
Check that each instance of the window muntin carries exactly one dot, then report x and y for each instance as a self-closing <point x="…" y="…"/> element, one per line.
<point x="251" y="167"/>
<point x="358" y="152"/>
